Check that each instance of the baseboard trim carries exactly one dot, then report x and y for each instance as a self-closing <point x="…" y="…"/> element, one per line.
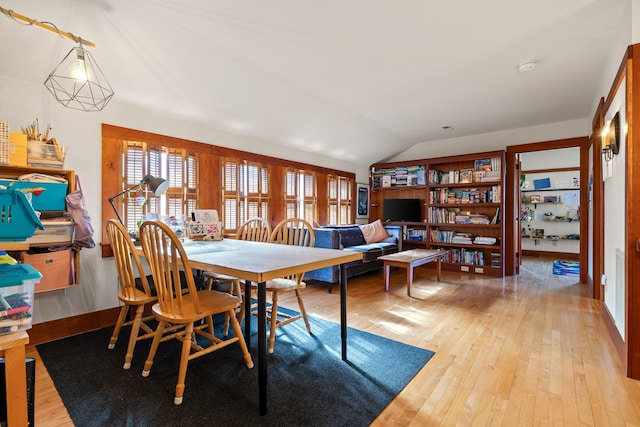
<point x="616" y="339"/>
<point x="558" y="255"/>
<point x="74" y="325"/>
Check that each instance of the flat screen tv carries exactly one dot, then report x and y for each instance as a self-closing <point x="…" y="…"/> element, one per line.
<point x="406" y="210"/>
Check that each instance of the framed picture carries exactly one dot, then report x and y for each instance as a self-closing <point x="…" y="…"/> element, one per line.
<point x="534" y="198"/>
<point x="362" y="194"/>
<point x="551" y="199"/>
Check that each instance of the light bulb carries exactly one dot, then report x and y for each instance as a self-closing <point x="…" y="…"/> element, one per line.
<point x="78" y="68"/>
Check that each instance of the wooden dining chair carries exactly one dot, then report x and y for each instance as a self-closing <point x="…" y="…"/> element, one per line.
<point x="256" y="230"/>
<point x="166" y="257"/>
<point x="297" y="232"/>
<point x="134" y="290"/>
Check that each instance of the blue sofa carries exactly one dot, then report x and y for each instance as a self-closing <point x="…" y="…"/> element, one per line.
<point x="350" y="238"/>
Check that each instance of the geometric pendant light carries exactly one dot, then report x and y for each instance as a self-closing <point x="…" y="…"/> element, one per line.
<point x="78" y="83"/>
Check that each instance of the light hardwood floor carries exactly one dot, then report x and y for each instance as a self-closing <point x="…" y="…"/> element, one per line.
<point x="520" y="351"/>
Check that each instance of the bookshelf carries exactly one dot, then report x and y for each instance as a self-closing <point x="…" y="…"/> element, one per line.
<point x="462" y="201"/>
<point x="550" y="216"/>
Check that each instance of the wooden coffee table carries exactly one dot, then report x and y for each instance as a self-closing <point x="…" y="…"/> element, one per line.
<point x="409" y="260"/>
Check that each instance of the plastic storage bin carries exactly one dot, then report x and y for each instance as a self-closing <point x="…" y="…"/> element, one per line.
<point x="51" y="196"/>
<point x="18" y="220"/>
<point x="17" y="283"/>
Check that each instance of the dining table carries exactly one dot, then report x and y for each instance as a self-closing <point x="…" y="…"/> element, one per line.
<point x="257" y="262"/>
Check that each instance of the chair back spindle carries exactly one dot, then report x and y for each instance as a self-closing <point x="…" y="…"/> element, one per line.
<point x="167" y="258"/>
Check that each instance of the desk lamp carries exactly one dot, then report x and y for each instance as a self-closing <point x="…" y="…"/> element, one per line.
<point x="157" y="186"/>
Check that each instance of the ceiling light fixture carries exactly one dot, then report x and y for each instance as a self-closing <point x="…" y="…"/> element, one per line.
<point x="77" y="81"/>
<point x="526" y="66"/>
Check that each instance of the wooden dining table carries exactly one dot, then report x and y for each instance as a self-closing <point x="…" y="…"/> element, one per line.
<point x="259" y="262"/>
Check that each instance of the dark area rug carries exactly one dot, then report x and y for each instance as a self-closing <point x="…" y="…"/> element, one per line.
<point x="308" y="383"/>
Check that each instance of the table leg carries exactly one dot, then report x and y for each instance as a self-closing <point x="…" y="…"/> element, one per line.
<point x="409" y="278"/>
<point x="387" y="271"/>
<point x="439" y="268"/>
<point x="16" y="386"/>
<point x="247" y="313"/>
<point x="262" y="347"/>
<point x="343" y="309"/>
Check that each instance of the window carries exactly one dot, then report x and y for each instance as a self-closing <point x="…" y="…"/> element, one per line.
<point x="176" y="165"/>
<point x="239" y="184"/>
<point x="339" y="189"/>
<point x="300" y="195"/>
<point x="245" y="192"/>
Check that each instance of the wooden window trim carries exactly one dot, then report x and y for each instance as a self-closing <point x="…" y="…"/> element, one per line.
<point x="209" y="170"/>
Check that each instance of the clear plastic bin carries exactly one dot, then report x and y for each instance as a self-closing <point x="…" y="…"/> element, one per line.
<point x="17" y="284"/>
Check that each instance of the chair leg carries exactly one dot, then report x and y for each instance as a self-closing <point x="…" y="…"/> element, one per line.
<point x="273" y="320"/>
<point x="243" y="346"/>
<point x="234" y="288"/>
<point x="184" y="362"/>
<point x="133" y="337"/>
<point x="116" y="329"/>
<point x="303" y="311"/>
<point x="154" y="348"/>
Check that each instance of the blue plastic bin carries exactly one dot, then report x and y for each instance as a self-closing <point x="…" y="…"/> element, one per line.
<point x="51" y="198"/>
<point x="18" y="220"/>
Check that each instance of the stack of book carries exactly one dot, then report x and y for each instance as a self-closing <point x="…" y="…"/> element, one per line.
<point x="482" y="240"/>
<point x="462" y="238"/>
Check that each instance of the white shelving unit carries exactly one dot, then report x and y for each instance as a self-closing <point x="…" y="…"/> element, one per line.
<point x="550" y="218"/>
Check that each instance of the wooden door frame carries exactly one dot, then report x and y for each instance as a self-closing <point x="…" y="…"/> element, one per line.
<point x="512" y="198"/>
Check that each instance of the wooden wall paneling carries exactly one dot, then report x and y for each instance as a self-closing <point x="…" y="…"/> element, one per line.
<point x="210" y="172"/>
<point x="276" y="189"/>
<point x="210" y="182"/>
<point x="322" y="198"/>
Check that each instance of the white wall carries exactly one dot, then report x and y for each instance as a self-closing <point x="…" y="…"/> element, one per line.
<point x="21" y="103"/>
<point x="496" y="140"/>
<point x="614" y="191"/>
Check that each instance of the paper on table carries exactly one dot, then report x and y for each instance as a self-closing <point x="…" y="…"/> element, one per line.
<point x="206" y="215"/>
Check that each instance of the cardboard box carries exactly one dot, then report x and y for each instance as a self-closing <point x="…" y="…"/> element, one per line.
<point x="51" y="198"/>
<point x="55" y="267"/>
<point x="17" y="149"/>
<point x="17" y="282"/>
<point x="41" y="154"/>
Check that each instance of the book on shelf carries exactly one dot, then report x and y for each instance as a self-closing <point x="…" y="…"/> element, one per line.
<point x="465" y="176"/>
<point x="496" y="217"/>
<point x="482" y="165"/>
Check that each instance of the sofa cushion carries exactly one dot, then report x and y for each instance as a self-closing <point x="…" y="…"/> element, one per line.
<point x="369" y="252"/>
<point x="385" y="247"/>
<point x="374" y="232"/>
<point x="351" y="236"/>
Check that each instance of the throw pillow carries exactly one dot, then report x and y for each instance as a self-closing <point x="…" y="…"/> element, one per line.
<point x="374" y="232"/>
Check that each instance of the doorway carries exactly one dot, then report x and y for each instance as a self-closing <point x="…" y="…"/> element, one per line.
<point x="545" y="197"/>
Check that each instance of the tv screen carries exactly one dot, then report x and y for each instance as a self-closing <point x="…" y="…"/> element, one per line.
<point x="407" y="210"/>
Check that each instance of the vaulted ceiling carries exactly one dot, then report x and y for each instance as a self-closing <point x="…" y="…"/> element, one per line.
<point x="355" y="80"/>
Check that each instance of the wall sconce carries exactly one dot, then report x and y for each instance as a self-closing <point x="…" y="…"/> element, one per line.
<point x="611" y="138"/>
<point x="157" y="186"/>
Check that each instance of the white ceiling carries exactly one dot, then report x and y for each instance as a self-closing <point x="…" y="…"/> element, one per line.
<point x="356" y="80"/>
